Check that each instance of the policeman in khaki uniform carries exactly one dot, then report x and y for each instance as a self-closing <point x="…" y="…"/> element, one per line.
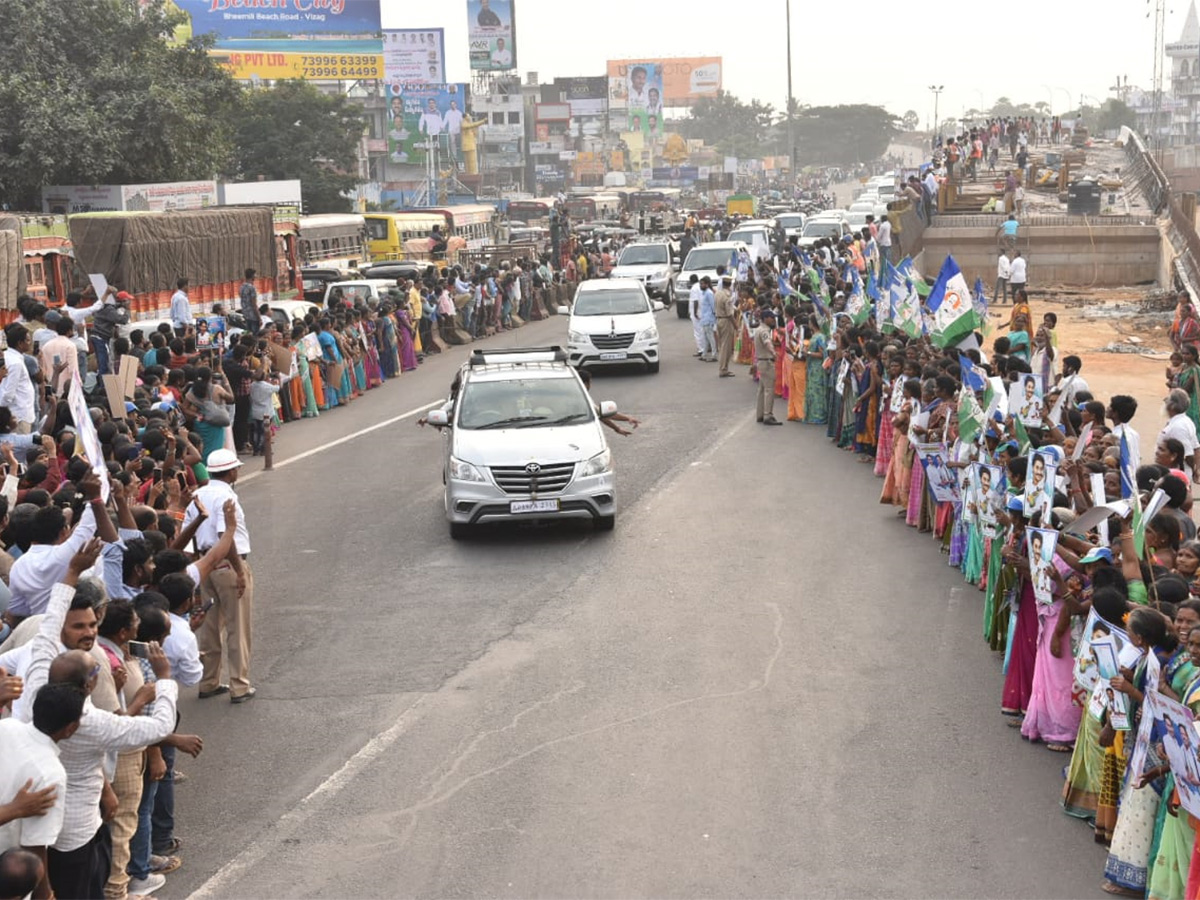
<point x="764" y="360"/>
<point x="726" y="311"/>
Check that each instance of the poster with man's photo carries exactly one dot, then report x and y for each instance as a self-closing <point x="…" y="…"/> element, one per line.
<point x="1040" y="473"/>
<point x="423" y="118"/>
<point x="1104" y="695"/>
<point x="1087" y="670"/>
<point x="1041" y="543"/>
<point x="987" y="494"/>
<point x="643" y="98"/>
<point x="941" y="479"/>
<point x="1025" y="400"/>
<point x="491" y="36"/>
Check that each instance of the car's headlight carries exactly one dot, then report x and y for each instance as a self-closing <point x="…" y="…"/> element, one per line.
<point x="597" y="465"/>
<point x="648" y="334"/>
<point x="660" y="275"/>
<point x="576" y="337"/>
<point x="464" y="471"/>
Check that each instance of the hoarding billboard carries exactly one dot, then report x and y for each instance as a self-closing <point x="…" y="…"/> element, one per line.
<point x="682" y="80"/>
<point x="269" y="39"/>
<point x="586" y="96"/>
<point x="415" y="55"/>
<point x="639" y="94"/>
<point x="129" y="197"/>
<point x="422" y="116"/>
<point x="491" y="35"/>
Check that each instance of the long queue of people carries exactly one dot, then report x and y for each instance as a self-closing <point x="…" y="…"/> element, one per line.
<point x="125" y="573"/>
<point x="1077" y="533"/>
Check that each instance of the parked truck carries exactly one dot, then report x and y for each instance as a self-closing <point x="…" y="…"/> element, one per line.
<point x="741" y="205"/>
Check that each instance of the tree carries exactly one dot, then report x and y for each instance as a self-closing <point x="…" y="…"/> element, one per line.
<point x="843" y="135"/>
<point x="1114" y="114"/>
<point x="910" y="120"/>
<point x="93" y="93"/>
<point x="293" y="130"/>
<point x="734" y="128"/>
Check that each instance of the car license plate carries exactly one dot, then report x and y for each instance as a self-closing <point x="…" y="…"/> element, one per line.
<point x="531" y="506"/>
<point x="617" y="354"/>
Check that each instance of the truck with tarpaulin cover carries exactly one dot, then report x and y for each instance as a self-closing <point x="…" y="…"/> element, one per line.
<point x="144" y="253"/>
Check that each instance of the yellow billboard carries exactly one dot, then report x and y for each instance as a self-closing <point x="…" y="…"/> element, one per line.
<point x="272" y="66"/>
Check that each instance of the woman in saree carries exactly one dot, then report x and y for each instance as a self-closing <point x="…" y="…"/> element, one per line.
<point x="895" y="484"/>
<point x="917" y="431"/>
<point x="1189" y="380"/>
<point x="795" y="366"/>
<point x="850" y="391"/>
<point x="1023" y="630"/>
<point x="1020" y="344"/>
<point x="1131" y="856"/>
<point x="371" y="356"/>
<point x="816" y="388"/>
<point x="389" y="352"/>
<point x="779" y="343"/>
<point x="308" y="396"/>
<point x="942" y="428"/>
<point x="1176" y="829"/>
<point x="406" y="332"/>
<point x="866" y="404"/>
<point x="745" y="350"/>
<point x="356" y="335"/>
<point x="1052" y="715"/>
<point x="891" y="397"/>
<point x="838" y="371"/>
<point x="205" y="402"/>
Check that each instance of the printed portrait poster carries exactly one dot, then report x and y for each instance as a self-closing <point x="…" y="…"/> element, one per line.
<point x="940" y="478"/>
<point x="491" y="37"/>
<point x="643" y="97"/>
<point x="1041" y="543"/>
<point x="1107" y="656"/>
<point x="1087" y="671"/>
<point x="988" y="494"/>
<point x="1181" y="741"/>
<point x="1025" y="400"/>
<point x="1040" y="473"/>
<point x="422" y="118"/>
<point x="1150" y="726"/>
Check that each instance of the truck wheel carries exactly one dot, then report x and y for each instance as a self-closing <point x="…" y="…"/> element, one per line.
<point x="604" y="523"/>
<point x="459" y="530"/>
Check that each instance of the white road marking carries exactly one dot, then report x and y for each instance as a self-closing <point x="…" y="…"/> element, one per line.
<point x="344" y="439"/>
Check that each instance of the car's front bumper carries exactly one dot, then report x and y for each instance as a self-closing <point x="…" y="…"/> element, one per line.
<point x="475" y="503"/>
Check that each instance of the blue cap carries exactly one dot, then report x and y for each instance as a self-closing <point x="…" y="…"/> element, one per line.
<point x="130" y="407"/>
<point x="1096" y="554"/>
<point x="1016" y="504"/>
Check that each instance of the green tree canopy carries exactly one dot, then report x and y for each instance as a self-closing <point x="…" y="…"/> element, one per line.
<point x="734" y="128"/>
<point x="93" y="93"/>
<point x="843" y="135"/>
<point x="293" y="130"/>
<point x="910" y="120"/>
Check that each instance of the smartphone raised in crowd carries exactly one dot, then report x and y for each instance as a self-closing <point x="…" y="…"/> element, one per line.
<point x="140" y="649"/>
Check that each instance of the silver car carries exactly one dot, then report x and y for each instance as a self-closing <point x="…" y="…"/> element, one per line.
<point x="524" y="441"/>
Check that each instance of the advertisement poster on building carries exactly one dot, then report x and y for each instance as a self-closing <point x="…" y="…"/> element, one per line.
<point x="681" y="81"/>
<point x="415" y="55"/>
<point x="639" y="92"/>
<point x="271" y="41"/>
<point x="422" y="117"/>
<point x="491" y="35"/>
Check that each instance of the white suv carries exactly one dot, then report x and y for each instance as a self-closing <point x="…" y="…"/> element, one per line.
<point x="524" y="441"/>
<point x="612" y="323"/>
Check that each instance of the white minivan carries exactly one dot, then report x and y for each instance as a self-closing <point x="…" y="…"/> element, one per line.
<point x="612" y="323"/>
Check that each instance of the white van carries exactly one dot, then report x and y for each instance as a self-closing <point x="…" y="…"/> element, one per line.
<point x="612" y="323"/>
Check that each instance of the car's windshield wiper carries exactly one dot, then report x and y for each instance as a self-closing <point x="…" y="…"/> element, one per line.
<point x="570" y="418"/>
<point x="510" y="421"/>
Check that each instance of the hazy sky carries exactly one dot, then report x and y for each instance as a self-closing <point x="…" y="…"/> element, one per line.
<point x="1027" y="50"/>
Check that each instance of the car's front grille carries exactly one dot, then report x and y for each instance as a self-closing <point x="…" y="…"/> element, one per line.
<point x="612" y="341"/>
<point x="534" y="478"/>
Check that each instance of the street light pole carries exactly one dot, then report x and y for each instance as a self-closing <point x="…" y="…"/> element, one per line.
<point x="791" y="137"/>
<point x="937" y="90"/>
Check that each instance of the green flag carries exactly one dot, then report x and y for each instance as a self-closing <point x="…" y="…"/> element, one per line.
<point x="970" y="416"/>
<point x="1022" y="435"/>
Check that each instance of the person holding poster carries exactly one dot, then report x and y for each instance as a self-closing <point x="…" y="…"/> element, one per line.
<point x="1039" y="486"/>
<point x="1025" y="400"/>
<point x="989" y="495"/>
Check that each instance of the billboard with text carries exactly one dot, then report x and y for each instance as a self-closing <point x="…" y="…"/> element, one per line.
<point x="311" y="39"/>
<point x="423" y="117"/>
<point x="491" y="35"/>
<point x="415" y="55"/>
<point x="683" y="80"/>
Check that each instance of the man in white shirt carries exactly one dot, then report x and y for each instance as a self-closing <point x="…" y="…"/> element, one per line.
<point x="1017" y="276"/>
<point x="46" y="561"/>
<point x="638" y="96"/>
<point x="694" y="296"/>
<point x="181" y="308"/>
<point x="501" y="56"/>
<point x="883" y="238"/>
<point x="931" y="188"/>
<point x="16" y="390"/>
<point x="1179" y="425"/>
<point x="226" y="628"/>
<point x="61" y="349"/>
<point x="1003" y="274"/>
<point x="31" y="762"/>
<point x="1071" y="381"/>
<point x="430" y="122"/>
<point x="1121" y="410"/>
<point x="452" y="121"/>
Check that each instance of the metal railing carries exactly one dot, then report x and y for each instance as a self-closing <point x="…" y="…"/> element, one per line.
<point x="994" y="220"/>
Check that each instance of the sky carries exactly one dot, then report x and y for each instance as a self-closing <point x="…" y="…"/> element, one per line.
<point x="1026" y="50"/>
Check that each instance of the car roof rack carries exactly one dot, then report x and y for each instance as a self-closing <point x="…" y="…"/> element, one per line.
<point x="553" y="353"/>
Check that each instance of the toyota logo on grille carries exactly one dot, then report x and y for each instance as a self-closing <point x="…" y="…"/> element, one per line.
<point x="533" y="468"/>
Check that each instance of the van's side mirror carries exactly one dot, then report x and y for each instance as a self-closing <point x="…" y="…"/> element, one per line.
<point x="438" y="418"/>
<point x="607" y="408"/>
<point x="563" y="310"/>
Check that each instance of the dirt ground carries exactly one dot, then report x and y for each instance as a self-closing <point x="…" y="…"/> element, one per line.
<point x="1121" y="336"/>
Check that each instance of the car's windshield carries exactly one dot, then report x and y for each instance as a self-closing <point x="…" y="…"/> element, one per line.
<point x="642" y="254"/>
<point x="707" y="258"/>
<point x="822" y="229"/>
<point x="523" y="403"/>
<point x="790" y="221"/>
<point x="610" y="303"/>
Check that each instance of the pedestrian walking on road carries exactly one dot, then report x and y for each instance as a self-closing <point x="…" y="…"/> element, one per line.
<point x="764" y="356"/>
<point x="1003" y="274"/>
<point x="708" y="320"/>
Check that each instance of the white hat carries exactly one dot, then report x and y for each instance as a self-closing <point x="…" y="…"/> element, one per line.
<point x="222" y="461"/>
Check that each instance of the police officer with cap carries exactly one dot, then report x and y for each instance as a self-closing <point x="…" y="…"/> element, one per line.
<point x="764" y="360"/>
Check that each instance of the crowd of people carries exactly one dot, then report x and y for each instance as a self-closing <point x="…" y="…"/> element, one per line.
<point x="1077" y="532"/>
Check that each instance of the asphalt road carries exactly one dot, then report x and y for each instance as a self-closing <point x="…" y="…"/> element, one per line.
<point x="760" y="685"/>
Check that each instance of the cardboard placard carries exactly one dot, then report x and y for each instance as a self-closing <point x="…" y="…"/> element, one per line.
<point x="116" y="399"/>
<point x="281" y="357"/>
<point x="128" y="374"/>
